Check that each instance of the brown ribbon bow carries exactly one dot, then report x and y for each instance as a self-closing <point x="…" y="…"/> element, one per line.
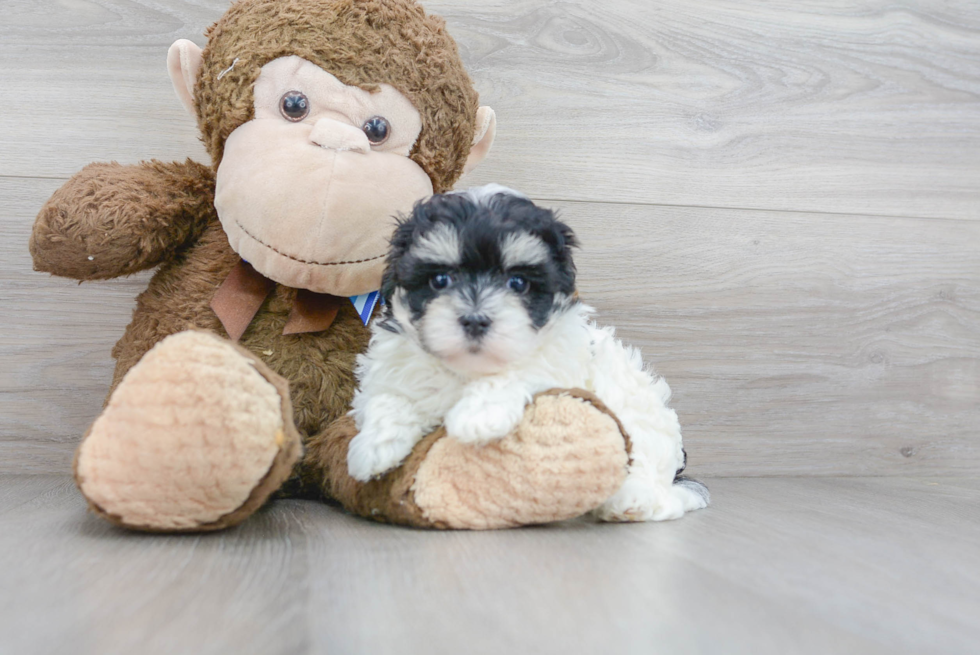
<point x="241" y="295"/>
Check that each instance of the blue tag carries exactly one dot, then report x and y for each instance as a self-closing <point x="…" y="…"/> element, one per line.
<point x="364" y="304"/>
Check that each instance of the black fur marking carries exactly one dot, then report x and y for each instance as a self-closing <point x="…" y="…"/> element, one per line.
<point x="481" y="227"/>
<point x="696" y="486"/>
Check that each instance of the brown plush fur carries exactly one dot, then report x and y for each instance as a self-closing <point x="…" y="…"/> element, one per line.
<point x="185" y="233"/>
<point x="111" y="220"/>
<point x="318" y="365"/>
<point x="363" y="43"/>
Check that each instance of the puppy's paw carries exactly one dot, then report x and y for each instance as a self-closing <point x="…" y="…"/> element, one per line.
<point x="374" y="452"/>
<point x="642" y="499"/>
<point x="476" y="420"/>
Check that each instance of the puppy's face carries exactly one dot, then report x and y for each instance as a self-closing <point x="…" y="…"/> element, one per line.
<point x="476" y="278"/>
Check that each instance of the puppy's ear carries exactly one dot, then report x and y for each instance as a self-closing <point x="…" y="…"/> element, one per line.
<point x="401" y="240"/>
<point x="565" y="235"/>
<point x="567" y="261"/>
<point x="387" y="286"/>
<point x="562" y="240"/>
<point x="407" y="230"/>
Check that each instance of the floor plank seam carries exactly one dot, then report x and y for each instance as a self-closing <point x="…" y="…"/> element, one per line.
<point x="537" y="198"/>
<point x="32" y="177"/>
<point x="629" y="203"/>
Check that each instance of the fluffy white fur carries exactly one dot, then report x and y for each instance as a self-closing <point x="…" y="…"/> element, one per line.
<point x="407" y="390"/>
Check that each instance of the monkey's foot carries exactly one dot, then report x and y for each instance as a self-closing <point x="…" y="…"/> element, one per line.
<point x="197" y="436"/>
<point x="565" y="458"/>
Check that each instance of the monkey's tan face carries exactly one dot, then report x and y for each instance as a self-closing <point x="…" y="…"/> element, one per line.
<point x="308" y="189"/>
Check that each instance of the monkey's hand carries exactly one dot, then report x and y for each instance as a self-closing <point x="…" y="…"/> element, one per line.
<point x="110" y="220"/>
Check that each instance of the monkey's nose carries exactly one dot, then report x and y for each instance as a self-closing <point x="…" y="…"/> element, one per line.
<point x="475" y="325"/>
<point x="335" y="135"/>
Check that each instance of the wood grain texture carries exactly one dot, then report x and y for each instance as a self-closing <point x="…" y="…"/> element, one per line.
<point x="885" y="565"/>
<point x="795" y="344"/>
<point x="55" y="340"/>
<point x="798" y="344"/>
<point x="860" y="107"/>
<point x="863" y="107"/>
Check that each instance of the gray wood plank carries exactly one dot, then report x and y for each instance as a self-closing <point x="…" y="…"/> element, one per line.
<point x="865" y="108"/>
<point x="73" y="583"/>
<point x="880" y="565"/>
<point x="576" y="588"/>
<point x="101" y="103"/>
<point x="836" y="107"/>
<point x="798" y="344"/>
<point x="795" y="344"/>
<point x="55" y="340"/>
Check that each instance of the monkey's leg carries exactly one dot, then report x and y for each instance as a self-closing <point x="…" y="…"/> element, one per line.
<point x="196" y="436"/>
<point x="567" y="456"/>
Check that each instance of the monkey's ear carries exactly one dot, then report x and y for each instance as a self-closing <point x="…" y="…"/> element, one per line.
<point x="184" y="64"/>
<point x="486" y="128"/>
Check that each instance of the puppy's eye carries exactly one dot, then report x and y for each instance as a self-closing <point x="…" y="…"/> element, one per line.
<point x="518" y="284"/>
<point x="377" y="129"/>
<point x="294" y="106"/>
<point x="441" y="281"/>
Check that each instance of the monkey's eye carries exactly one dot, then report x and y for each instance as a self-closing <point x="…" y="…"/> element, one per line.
<point x="441" y="281"/>
<point x="294" y="106"/>
<point x="518" y="284"/>
<point x="377" y="129"/>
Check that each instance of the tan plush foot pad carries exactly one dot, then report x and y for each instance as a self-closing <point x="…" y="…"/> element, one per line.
<point x="196" y="437"/>
<point x="566" y="458"/>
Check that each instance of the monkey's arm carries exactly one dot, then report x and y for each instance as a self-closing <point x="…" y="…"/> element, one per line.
<point x="110" y="220"/>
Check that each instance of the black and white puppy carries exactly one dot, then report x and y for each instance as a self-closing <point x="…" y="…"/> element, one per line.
<point x="480" y="315"/>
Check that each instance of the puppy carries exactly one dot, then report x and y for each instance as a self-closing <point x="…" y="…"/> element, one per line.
<point x="480" y="315"/>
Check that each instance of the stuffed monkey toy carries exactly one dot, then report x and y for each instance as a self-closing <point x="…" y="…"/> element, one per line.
<point x="324" y="119"/>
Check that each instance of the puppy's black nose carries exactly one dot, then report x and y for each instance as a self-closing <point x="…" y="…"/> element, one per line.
<point x="475" y="325"/>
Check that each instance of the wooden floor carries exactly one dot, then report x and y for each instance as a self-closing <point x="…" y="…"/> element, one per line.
<point x="778" y="201"/>
<point x="777" y="565"/>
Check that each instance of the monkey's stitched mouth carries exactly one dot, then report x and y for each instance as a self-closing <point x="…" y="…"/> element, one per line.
<point x="303" y="261"/>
